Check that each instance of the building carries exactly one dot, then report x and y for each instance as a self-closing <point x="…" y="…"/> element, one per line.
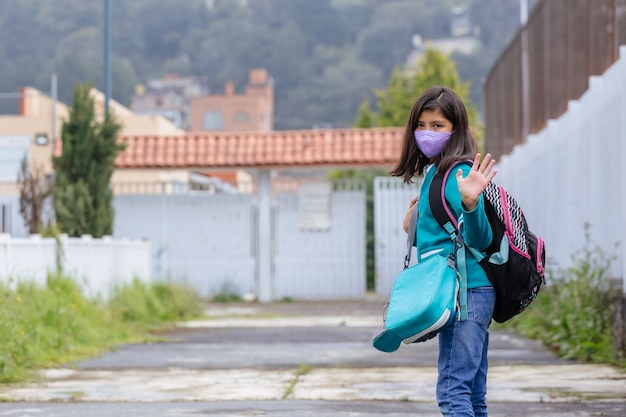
<point x="168" y="97"/>
<point x="252" y="111"/>
<point x="34" y="132"/>
<point x="464" y="38"/>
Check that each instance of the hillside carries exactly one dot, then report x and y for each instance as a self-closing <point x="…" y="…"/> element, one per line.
<point x="325" y="56"/>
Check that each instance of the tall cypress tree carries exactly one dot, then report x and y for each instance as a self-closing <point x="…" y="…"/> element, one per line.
<point x="82" y="195"/>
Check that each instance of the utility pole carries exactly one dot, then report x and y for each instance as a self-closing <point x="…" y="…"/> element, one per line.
<point x="107" y="55"/>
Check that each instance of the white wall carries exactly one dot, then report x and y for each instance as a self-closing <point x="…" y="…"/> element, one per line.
<point x="97" y="265"/>
<point x="574" y="173"/>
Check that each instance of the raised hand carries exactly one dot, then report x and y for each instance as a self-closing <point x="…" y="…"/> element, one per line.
<point x="476" y="181"/>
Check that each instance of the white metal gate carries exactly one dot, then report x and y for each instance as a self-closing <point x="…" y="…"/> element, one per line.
<point x="209" y="242"/>
<point x="202" y="240"/>
<point x="322" y="264"/>
<point x="391" y="200"/>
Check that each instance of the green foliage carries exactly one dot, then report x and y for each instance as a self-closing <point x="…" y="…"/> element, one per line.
<point x="395" y="102"/>
<point x="48" y="325"/>
<point x="82" y="197"/>
<point x="54" y="324"/>
<point x="365" y="118"/>
<point x="154" y="303"/>
<point x="228" y="293"/>
<point x="437" y="68"/>
<point x="570" y="315"/>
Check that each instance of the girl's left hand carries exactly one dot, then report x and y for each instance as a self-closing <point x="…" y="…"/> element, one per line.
<point x="407" y="216"/>
<point x="476" y="181"/>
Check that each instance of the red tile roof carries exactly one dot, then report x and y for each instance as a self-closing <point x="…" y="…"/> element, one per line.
<point x="330" y="147"/>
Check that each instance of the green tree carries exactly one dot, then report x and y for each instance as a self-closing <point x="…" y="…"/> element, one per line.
<point x="82" y="196"/>
<point x="434" y="68"/>
<point x="394" y="102"/>
<point x="366" y="118"/>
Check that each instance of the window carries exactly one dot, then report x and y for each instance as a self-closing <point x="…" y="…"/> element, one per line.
<point x="41" y="139"/>
<point x="212" y="120"/>
<point x="12" y="150"/>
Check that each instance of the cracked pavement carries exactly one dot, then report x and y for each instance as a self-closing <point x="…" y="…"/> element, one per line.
<point x="314" y="357"/>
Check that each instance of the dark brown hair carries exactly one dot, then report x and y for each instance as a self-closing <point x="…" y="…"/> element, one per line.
<point x="460" y="146"/>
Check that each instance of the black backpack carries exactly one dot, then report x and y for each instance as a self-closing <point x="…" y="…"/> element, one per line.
<point x="514" y="263"/>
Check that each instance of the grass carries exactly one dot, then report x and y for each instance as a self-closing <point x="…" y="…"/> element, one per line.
<point x="54" y="324"/>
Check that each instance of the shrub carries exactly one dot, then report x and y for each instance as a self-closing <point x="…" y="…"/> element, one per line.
<point x="152" y="303"/>
<point x="42" y="326"/>
<point x="48" y="325"/>
<point x="570" y="314"/>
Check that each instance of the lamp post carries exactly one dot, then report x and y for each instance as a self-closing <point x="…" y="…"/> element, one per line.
<point x="53" y="93"/>
<point x="107" y="55"/>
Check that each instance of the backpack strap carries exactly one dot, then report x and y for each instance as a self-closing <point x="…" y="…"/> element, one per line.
<point x="439" y="206"/>
<point x="443" y="215"/>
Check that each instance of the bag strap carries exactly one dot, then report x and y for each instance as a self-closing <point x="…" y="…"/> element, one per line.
<point x="437" y="198"/>
<point x="410" y="236"/>
<point x="445" y="218"/>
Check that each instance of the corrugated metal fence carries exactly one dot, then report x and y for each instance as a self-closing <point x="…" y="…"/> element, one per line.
<point x="563" y="43"/>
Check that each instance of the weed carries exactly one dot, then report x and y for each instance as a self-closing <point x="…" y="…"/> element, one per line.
<point x="228" y="293"/>
<point x="302" y="370"/>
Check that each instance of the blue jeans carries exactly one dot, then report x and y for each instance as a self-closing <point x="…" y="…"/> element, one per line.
<point x="462" y="365"/>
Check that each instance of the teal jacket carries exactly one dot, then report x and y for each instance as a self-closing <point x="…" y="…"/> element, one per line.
<point x="475" y="228"/>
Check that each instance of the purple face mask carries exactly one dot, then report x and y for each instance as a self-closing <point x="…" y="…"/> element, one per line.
<point x="431" y="143"/>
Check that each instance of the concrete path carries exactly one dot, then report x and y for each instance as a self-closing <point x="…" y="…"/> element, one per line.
<point x="305" y="359"/>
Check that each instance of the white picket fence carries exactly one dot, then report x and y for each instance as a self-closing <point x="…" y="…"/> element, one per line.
<point x="573" y="174"/>
<point x="97" y="265"/>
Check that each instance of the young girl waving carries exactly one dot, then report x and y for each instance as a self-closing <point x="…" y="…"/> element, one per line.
<point x="437" y="135"/>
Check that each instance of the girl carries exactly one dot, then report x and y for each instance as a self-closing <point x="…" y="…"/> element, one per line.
<point x="437" y="135"/>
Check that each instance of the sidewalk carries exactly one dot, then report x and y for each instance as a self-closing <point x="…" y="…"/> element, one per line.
<point x="313" y="356"/>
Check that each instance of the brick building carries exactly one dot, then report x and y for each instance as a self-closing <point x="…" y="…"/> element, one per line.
<point x="252" y="111"/>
